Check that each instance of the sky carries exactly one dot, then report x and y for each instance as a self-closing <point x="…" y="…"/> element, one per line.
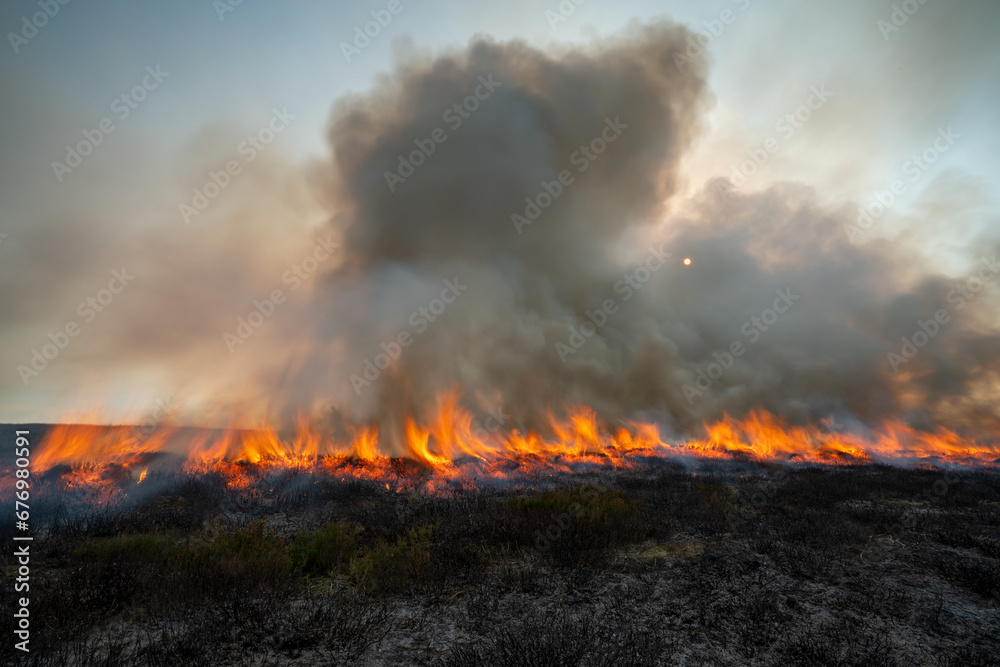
<point x="201" y="78"/>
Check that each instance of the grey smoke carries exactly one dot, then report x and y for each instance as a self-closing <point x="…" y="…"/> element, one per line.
<point x="452" y="217"/>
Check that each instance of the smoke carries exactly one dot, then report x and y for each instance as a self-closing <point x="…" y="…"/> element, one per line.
<point x="512" y="223"/>
<point x="514" y="205"/>
<point x="575" y="291"/>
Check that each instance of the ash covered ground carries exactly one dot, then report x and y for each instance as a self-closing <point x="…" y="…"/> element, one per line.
<point x="728" y="563"/>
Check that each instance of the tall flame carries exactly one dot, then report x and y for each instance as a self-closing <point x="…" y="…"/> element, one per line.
<point x="448" y="439"/>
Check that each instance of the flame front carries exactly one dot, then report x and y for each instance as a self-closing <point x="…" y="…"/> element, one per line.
<point x="448" y="440"/>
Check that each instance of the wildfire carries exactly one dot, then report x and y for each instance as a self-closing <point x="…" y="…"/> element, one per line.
<point x="447" y="444"/>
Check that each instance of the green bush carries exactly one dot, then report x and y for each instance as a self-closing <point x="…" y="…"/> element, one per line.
<point x="717" y="495"/>
<point x="252" y="543"/>
<point x="589" y="502"/>
<point x="395" y="567"/>
<point x="326" y="549"/>
<point x="145" y="547"/>
<point x="209" y="566"/>
<point x="250" y="558"/>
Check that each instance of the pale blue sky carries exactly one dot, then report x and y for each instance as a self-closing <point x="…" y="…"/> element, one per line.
<point x="265" y="54"/>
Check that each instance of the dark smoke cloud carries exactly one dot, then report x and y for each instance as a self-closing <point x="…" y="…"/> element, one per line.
<point x="453" y="217"/>
<point x="452" y="220"/>
<point x="498" y="342"/>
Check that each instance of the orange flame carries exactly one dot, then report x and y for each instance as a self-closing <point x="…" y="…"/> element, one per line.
<point x="449" y="440"/>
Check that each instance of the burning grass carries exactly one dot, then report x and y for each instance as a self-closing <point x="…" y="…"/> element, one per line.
<point x="453" y="452"/>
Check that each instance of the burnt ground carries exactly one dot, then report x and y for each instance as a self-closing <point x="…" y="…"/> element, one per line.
<point x="737" y="564"/>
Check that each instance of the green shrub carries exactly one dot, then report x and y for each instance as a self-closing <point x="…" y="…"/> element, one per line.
<point x="589" y="502"/>
<point x="252" y="543"/>
<point x="395" y="567"/>
<point x="326" y="549"/>
<point x="210" y="566"/>
<point x="145" y="547"/>
<point x="717" y="495"/>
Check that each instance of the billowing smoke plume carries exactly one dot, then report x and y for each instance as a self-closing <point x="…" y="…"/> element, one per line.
<point x="513" y="225"/>
<point x="537" y="225"/>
